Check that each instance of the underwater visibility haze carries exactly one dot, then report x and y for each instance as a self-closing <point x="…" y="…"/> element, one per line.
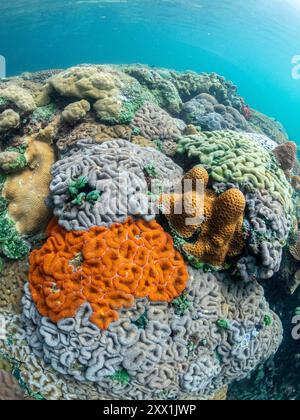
<point x="149" y="200"/>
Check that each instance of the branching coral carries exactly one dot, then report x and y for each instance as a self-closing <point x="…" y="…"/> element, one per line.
<point x="107" y="268"/>
<point x="233" y="157"/>
<point x="116" y="170"/>
<point x="221" y="224"/>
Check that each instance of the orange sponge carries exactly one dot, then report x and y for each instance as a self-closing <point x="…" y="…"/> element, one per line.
<point x="108" y="268"/>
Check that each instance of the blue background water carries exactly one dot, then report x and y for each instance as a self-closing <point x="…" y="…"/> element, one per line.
<point x="251" y="42"/>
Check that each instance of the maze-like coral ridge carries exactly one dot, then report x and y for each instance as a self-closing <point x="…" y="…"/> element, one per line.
<point x="107" y="268"/>
<point x="234" y="157"/>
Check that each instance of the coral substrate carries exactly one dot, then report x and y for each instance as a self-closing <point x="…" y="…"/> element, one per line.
<point x="107" y="290"/>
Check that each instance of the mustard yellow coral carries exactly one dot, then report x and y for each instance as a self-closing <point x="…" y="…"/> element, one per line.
<point x="107" y="268"/>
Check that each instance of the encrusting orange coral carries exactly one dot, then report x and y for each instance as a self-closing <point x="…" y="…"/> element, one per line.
<point x="108" y="268"/>
<point x="220" y="232"/>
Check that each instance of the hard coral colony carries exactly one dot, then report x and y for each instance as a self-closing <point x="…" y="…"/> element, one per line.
<point x="105" y="294"/>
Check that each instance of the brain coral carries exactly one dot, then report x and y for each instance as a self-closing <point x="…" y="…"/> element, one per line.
<point x="118" y="172"/>
<point x="233" y="157"/>
<point x="93" y="131"/>
<point x="205" y="111"/>
<point x="152" y="122"/>
<point x="10" y="389"/>
<point x="107" y="268"/>
<point x="155" y="352"/>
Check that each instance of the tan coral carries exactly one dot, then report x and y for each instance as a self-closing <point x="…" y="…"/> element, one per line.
<point x="221" y="395"/>
<point x="286" y="155"/>
<point x="221" y="235"/>
<point x="220" y="232"/>
<point x="141" y="141"/>
<point x="97" y="132"/>
<point x="76" y="111"/>
<point x="293" y="283"/>
<point x="26" y="191"/>
<point x="295" y="248"/>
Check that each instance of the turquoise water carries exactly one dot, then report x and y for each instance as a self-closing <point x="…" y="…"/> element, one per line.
<point x="250" y="42"/>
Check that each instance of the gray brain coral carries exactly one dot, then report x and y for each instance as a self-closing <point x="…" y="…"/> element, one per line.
<point x="115" y="174"/>
<point x="134" y="358"/>
<point x="269" y="231"/>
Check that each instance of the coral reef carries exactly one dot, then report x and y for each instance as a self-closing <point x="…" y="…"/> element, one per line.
<point x="116" y="170"/>
<point x="262" y="140"/>
<point x="98" y="133"/>
<point x="107" y="268"/>
<point x="9" y="388"/>
<point x="15" y="95"/>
